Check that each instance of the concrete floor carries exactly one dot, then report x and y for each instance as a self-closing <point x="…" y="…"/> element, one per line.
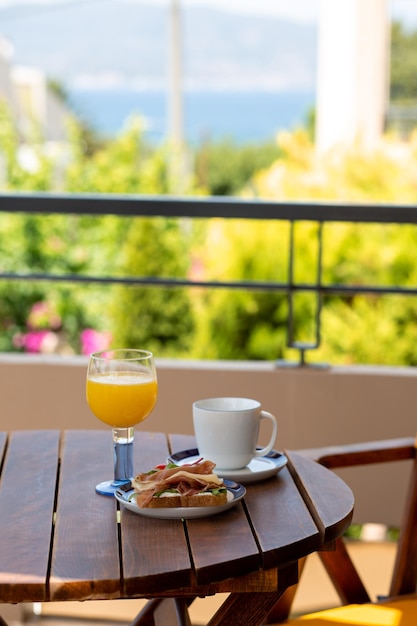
<point x="374" y="561"/>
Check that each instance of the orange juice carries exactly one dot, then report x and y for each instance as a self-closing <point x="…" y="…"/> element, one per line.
<point x="121" y="399"/>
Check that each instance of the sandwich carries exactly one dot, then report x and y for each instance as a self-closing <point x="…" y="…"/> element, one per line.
<point x="171" y="485"/>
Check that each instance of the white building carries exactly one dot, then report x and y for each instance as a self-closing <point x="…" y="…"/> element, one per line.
<point x="353" y="73"/>
<point x="32" y="104"/>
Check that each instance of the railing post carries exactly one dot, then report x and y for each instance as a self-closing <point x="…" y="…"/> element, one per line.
<point x="304" y="346"/>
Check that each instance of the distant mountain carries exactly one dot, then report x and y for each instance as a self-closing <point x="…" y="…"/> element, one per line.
<point x="125" y="43"/>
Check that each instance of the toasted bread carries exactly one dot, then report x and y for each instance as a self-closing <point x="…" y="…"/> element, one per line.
<point x="165" y="501"/>
<point x="171" y="500"/>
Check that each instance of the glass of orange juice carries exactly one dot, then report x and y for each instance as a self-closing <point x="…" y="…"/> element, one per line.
<point x="121" y="391"/>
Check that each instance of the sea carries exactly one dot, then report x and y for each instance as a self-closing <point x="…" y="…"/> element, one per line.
<point x="240" y="116"/>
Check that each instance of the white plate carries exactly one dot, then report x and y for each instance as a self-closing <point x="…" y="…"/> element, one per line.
<point x="235" y="492"/>
<point x="260" y="468"/>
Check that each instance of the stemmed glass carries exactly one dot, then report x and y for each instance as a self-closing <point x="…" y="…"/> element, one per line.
<point x="121" y="391"/>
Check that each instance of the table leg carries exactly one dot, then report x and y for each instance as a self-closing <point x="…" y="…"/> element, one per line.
<point x="145" y="617"/>
<point x="344" y="575"/>
<point x="164" y="612"/>
<point x="282" y="609"/>
<point x="172" y="612"/>
<point x="250" y="609"/>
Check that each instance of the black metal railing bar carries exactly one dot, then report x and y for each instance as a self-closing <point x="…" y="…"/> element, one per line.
<point x="206" y="207"/>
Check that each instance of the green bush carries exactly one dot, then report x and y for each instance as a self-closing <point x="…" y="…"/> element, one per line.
<point x="157" y="318"/>
<point x="224" y="168"/>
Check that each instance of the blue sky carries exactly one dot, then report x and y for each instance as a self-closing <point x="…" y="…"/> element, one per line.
<point x="300" y="10"/>
<point x="303" y="10"/>
<point x="406" y="10"/>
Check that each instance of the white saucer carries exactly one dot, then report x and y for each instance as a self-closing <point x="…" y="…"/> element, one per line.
<point x="260" y="468"/>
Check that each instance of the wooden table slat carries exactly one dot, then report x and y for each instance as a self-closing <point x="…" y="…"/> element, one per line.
<point x="155" y="555"/>
<point x="27" y="494"/>
<point x="155" y="552"/>
<point x="223" y="546"/>
<point x="329" y="499"/>
<point x="85" y="560"/>
<point x="150" y="449"/>
<point x="284" y="528"/>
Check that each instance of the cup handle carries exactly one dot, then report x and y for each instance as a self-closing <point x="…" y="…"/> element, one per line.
<point x="268" y="448"/>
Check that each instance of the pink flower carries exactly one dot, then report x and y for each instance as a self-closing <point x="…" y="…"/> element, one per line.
<point x="38" y="341"/>
<point x="94" y="341"/>
<point x="43" y="315"/>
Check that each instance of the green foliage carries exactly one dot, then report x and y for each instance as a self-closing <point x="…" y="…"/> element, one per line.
<point x="242" y="324"/>
<point x="52" y="244"/>
<point x="15" y="302"/>
<point x="402" y="116"/>
<point x="225" y="168"/>
<point x="158" y="318"/>
<point x="17" y="177"/>
<point x="375" y="330"/>
<point x="403" y="64"/>
<point x="357" y="329"/>
<point x="388" y="174"/>
<point x="125" y="165"/>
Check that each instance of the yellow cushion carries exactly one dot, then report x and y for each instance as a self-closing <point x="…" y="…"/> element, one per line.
<point x="394" y="613"/>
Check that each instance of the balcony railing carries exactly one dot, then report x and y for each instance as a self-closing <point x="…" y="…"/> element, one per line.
<point x="227" y="208"/>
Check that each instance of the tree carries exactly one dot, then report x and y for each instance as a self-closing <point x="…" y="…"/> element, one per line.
<point x="225" y="168"/>
<point x="403" y="71"/>
<point x="242" y="324"/>
<point x="154" y="318"/>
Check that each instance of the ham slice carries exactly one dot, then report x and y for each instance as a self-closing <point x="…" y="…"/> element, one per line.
<point x="187" y="480"/>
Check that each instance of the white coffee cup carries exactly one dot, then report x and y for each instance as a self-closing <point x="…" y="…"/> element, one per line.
<point x="227" y="430"/>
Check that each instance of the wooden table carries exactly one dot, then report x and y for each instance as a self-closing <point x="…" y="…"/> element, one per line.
<point x="61" y="541"/>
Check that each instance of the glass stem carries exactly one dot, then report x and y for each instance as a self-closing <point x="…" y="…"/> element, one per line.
<point x="123" y="454"/>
